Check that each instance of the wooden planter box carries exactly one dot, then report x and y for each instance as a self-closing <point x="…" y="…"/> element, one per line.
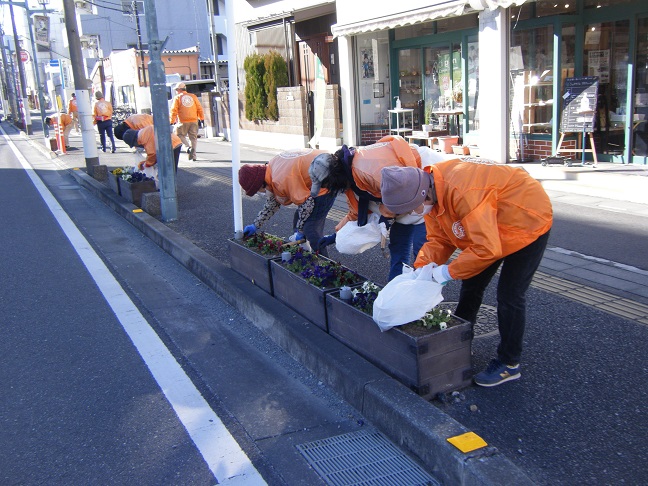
<point x="113" y="182"/>
<point x="299" y="294"/>
<point x="252" y="265"/>
<point x="431" y="362"/>
<point x="132" y="191"/>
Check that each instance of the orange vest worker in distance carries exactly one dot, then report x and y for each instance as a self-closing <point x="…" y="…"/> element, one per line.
<point x="145" y="137"/>
<point x="65" y="121"/>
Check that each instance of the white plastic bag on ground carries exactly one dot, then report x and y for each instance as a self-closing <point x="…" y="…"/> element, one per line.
<point x="407" y="298"/>
<point x="353" y="239"/>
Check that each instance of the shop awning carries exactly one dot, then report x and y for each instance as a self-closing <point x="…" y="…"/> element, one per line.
<point x="449" y="8"/>
<point x="446" y="9"/>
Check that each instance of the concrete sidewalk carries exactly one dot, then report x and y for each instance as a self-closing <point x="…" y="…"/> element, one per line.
<point x="409" y="421"/>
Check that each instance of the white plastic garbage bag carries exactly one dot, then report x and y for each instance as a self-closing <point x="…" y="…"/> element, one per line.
<point x="407" y="298"/>
<point x="353" y="239"/>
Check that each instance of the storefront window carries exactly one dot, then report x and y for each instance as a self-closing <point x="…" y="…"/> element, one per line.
<point x="606" y="56"/>
<point x="605" y="3"/>
<point x="542" y="8"/>
<point x="640" y="115"/>
<point x="531" y="85"/>
<point x="473" y="84"/>
<point x="374" y="90"/>
<point x="409" y="80"/>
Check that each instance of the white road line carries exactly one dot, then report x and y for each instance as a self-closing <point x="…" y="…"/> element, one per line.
<point x="223" y="455"/>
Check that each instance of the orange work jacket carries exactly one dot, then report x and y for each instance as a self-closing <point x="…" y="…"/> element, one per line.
<point x="287" y="176"/>
<point x="488" y="211"/>
<point x="146" y="138"/>
<point x="138" y="121"/>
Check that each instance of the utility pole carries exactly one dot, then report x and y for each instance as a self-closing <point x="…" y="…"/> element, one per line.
<point x="9" y="84"/>
<point x="163" y="149"/>
<point x="41" y="98"/>
<point x="81" y="88"/>
<point x="24" y="105"/>
<point x="139" y="41"/>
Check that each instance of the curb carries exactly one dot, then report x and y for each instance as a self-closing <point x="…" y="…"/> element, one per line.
<point x="405" y="418"/>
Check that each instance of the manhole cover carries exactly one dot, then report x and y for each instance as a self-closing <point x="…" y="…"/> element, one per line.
<point x="364" y="457"/>
<point x="486" y="318"/>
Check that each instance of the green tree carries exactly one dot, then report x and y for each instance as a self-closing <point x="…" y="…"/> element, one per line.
<point x="276" y="76"/>
<point x="255" y="94"/>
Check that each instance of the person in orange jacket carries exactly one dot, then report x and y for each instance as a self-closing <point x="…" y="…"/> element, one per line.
<point x="145" y="137"/>
<point x="102" y="113"/>
<point x="133" y="122"/>
<point x="362" y="168"/>
<point x="188" y="111"/>
<point x="66" y="122"/>
<point x="287" y="179"/>
<point x="497" y="215"/>
<point x="73" y="111"/>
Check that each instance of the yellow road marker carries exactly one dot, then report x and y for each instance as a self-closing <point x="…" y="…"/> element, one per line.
<point x="467" y="442"/>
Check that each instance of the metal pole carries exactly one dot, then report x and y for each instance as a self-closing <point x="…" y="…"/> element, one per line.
<point x="26" y="118"/>
<point x="41" y="98"/>
<point x="163" y="149"/>
<point x="81" y="88"/>
<point x="11" y="92"/>
<point x="234" y="118"/>
<point x="139" y="42"/>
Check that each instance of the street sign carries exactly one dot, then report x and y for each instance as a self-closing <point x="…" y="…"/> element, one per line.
<point x="24" y="56"/>
<point x="54" y="62"/>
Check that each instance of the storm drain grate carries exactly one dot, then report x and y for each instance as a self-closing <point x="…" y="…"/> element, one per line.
<point x="363" y="458"/>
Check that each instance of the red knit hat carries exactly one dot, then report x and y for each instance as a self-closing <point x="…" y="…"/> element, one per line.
<point x="252" y="178"/>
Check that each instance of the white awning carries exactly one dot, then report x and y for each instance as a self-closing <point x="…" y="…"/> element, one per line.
<point x="446" y="9"/>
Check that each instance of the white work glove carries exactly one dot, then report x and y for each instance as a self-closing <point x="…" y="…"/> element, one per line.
<point x="300" y="236"/>
<point x="441" y="274"/>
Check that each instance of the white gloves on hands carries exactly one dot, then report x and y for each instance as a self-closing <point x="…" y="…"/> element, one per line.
<point x="441" y="274"/>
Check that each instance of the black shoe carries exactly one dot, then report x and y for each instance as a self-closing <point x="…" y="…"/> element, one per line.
<point x="189" y="151"/>
<point x="114" y="150"/>
<point x="103" y="149"/>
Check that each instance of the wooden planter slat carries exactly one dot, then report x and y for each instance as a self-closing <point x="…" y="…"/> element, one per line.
<point x="433" y="363"/>
<point x="252" y="265"/>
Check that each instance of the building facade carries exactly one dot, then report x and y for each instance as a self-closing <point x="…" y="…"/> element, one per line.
<point x="494" y="72"/>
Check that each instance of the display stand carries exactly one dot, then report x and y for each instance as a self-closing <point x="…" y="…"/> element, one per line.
<point x="404" y="121"/>
<point x="579" y="107"/>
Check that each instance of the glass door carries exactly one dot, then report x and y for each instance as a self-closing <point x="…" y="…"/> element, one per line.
<point x="409" y="81"/>
<point x="606" y="56"/>
<point x="443" y="87"/>
<point x="639" y="118"/>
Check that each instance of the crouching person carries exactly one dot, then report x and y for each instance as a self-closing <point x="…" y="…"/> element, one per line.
<point x="496" y="215"/>
<point x="145" y="138"/>
<point x="286" y="179"/>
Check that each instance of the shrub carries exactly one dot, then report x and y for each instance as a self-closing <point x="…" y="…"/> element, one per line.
<point x="255" y="94"/>
<point x="276" y="75"/>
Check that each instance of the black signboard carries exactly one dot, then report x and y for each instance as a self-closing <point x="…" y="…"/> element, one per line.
<point x="579" y="104"/>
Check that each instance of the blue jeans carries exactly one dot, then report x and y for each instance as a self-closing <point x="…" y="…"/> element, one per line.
<point x="314" y="226"/>
<point x="515" y="278"/>
<point x="105" y="127"/>
<point x="405" y="240"/>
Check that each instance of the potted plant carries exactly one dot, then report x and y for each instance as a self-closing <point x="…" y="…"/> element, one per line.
<point x="430" y="356"/>
<point x="303" y="280"/>
<point x="133" y="184"/>
<point x="460" y="149"/>
<point x="251" y="257"/>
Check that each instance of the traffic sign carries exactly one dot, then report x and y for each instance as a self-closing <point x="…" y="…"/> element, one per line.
<point x="24" y="56"/>
<point x="54" y="62"/>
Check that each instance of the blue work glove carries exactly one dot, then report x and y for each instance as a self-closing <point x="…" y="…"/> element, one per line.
<point x="441" y="274"/>
<point x="249" y="230"/>
<point x="297" y="236"/>
<point x="326" y="240"/>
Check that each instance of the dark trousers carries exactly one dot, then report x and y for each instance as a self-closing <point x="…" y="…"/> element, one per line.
<point x="516" y="275"/>
<point x="405" y="240"/>
<point x="314" y="226"/>
<point x="176" y="156"/>
<point x="105" y="127"/>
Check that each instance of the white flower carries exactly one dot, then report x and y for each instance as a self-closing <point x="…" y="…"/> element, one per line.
<point x="443" y="325"/>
